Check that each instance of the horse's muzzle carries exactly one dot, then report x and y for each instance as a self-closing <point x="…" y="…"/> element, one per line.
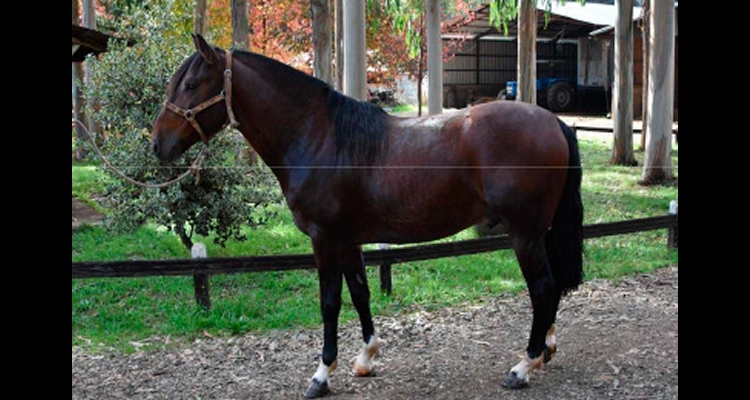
<point x="163" y="150"/>
<point x="155" y="147"/>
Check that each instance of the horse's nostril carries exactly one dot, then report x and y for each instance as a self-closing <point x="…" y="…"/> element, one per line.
<point x="156" y="147"/>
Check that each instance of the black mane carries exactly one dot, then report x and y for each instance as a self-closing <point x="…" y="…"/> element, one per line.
<point x="360" y="127"/>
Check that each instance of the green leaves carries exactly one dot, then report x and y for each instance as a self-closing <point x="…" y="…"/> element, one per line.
<point x="128" y="85"/>
<point x="503" y="11"/>
<point x="407" y="20"/>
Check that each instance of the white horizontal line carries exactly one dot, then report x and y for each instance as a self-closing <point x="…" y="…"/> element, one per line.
<point x="396" y="167"/>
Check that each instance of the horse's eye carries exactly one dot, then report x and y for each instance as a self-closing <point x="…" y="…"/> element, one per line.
<point x="190" y="85"/>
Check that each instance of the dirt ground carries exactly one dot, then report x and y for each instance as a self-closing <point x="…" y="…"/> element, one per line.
<point x="83" y="214"/>
<point x="616" y="340"/>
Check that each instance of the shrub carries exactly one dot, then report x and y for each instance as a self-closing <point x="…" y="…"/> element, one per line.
<point x="128" y="84"/>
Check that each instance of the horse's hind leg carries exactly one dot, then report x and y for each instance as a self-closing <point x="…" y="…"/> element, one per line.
<point x="545" y="298"/>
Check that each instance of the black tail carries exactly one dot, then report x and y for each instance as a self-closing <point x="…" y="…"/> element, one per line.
<point x="564" y="241"/>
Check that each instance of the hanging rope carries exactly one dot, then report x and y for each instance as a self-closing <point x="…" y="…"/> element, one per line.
<point x="193" y="169"/>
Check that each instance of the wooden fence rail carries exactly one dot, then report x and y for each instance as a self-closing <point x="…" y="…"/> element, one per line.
<point x="384" y="258"/>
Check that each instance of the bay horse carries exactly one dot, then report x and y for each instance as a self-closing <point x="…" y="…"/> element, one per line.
<point x="352" y="174"/>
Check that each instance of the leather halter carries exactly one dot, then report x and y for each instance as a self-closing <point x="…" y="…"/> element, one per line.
<point x="226" y="95"/>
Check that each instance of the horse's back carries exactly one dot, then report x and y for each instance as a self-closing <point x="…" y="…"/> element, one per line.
<point x="499" y="160"/>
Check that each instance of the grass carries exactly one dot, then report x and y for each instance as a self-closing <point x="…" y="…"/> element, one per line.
<point x="120" y="313"/>
<point x="613" y="193"/>
<point x="402" y="108"/>
<point x="87" y="180"/>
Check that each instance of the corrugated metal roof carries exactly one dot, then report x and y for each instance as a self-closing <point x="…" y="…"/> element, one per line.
<point x="637" y="15"/>
<point x="570" y="20"/>
<point x="592" y="13"/>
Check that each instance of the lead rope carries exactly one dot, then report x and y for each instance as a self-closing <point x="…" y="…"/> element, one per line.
<point x="193" y="169"/>
<point x="228" y="89"/>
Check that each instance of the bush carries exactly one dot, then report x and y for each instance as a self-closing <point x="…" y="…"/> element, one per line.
<point x="128" y="84"/>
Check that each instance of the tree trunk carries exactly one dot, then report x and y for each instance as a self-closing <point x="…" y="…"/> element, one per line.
<point x="420" y="77"/>
<point x="622" y="107"/>
<point x="339" y="31"/>
<point x="434" y="58"/>
<point x="657" y="164"/>
<point x="240" y="30"/>
<point x="241" y="41"/>
<point x="420" y="66"/>
<point x="527" y="52"/>
<point x="200" y="17"/>
<point x="185" y="238"/>
<point x="321" y="38"/>
<point x="646" y="32"/>
<point x="89" y="21"/>
<point x="355" y="74"/>
<point x="78" y="112"/>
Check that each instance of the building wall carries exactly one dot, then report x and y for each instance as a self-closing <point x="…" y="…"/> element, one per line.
<point x="595" y="62"/>
<point x="481" y="68"/>
<point x="471" y="73"/>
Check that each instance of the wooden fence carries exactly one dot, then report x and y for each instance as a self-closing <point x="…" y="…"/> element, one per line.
<point x="385" y="258"/>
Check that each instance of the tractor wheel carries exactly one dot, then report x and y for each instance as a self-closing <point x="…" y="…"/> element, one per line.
<point x="560" y="96"/>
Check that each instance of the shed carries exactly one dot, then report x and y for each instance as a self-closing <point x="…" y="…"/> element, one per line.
<point x="574" y="42"/>
<point x="89" y="41"/>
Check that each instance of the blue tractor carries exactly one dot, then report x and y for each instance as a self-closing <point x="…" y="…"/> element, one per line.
<point x="555" y="94"/>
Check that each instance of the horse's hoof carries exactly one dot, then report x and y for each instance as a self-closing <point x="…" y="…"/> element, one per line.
<point x="514" y="382"/>
<point x="317" y="389"/>
<point x="363" y="365"/>
<point x="363" y="371"/>
<point x="549" y="352"/>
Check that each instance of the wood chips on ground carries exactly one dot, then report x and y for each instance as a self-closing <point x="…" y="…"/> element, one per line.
<point x="617" y="339"/>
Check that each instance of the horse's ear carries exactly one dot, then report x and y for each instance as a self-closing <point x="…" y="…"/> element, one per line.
<point x="204" y="48"/>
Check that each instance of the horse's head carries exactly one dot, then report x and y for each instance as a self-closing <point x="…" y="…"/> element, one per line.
<point x="198" y="102"/>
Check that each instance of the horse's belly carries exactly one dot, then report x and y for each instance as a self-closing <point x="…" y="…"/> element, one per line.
<point x="421" y="205"/>
<point x="423" y="231"/>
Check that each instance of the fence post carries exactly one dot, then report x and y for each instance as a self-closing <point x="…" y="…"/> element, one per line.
<point x="200" y="281"/>
<point x="672" y="237"/>
<point x="386" y="284"/>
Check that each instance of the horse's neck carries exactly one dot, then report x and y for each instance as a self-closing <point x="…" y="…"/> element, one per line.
<point x="273" y="116"/>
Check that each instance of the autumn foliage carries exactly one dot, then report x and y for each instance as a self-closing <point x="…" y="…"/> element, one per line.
<point x="282" y="29"/>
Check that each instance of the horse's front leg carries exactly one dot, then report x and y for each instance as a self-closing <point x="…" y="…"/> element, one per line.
<point x="330" y="273"/>
<point x="356" y="280"/>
